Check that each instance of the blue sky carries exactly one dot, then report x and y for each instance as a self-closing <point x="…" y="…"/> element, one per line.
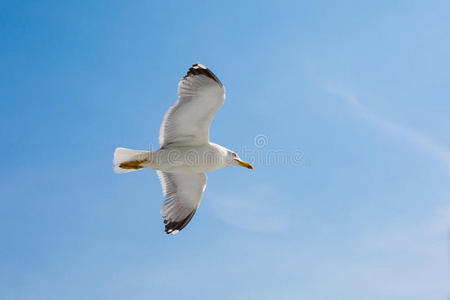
<point x="359" y="89"/>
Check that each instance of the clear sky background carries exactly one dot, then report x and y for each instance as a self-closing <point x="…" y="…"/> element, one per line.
<point x="360" y="89"/>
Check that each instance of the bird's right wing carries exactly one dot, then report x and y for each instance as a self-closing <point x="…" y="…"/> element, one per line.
<point x="200" y="95"/>
<point x="183" y="193"/>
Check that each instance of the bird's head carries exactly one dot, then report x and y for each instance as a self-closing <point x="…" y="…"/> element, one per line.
<point x="235" y="160"/>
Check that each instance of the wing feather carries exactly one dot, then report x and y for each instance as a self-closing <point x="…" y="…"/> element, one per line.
<point x="183" y="193"/>
<point x="187" y="122"/>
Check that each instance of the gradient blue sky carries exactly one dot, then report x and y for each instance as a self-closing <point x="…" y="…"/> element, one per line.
<point x="360" y="89"/>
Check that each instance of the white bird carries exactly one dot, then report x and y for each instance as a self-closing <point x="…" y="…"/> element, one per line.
<point x="186" y="153"/>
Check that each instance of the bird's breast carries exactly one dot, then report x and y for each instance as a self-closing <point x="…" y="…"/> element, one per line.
<point x="187" y="159"/>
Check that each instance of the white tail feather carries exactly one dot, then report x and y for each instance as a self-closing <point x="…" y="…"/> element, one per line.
<point x="123" y="155"/>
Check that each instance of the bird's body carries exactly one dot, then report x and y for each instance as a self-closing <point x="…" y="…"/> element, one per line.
<point x="182" y="159"/>
<point x="186" y="153"/>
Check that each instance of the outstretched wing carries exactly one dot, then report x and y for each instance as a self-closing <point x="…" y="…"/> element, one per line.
<point x="200" y="95"/>
<point x="183" y="193"/>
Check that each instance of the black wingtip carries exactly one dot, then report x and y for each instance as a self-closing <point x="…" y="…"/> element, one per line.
<point x="199" y="69"/>
<point x="174" y="227"/>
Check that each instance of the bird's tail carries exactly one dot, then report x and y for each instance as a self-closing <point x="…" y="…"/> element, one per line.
<point x="127" y="160"/>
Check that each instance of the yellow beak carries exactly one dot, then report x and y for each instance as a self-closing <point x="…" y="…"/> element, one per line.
<point x="244" y="164"/>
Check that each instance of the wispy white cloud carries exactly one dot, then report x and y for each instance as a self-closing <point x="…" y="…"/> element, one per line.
<point x="255" y="210"/>
<point x="405" y="260"/>
<point x="408" y="261"/>
<point x="429" y="145"/>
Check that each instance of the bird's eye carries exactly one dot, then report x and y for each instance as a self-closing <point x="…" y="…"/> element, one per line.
<point x="234" y="154"/>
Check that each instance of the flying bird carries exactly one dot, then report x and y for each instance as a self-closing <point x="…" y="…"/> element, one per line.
<point x="186" y="153"/>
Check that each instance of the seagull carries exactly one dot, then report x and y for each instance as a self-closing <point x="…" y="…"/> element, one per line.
<point x="186" y="153"/>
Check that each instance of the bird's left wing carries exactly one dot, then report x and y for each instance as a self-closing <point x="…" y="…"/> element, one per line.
<point x="183" y="193"/>
<point x="200" y="95"/>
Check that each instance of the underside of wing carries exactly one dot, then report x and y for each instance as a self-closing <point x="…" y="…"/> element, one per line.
<point x="187" y="122"/>
<point x="183" y="193"/>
